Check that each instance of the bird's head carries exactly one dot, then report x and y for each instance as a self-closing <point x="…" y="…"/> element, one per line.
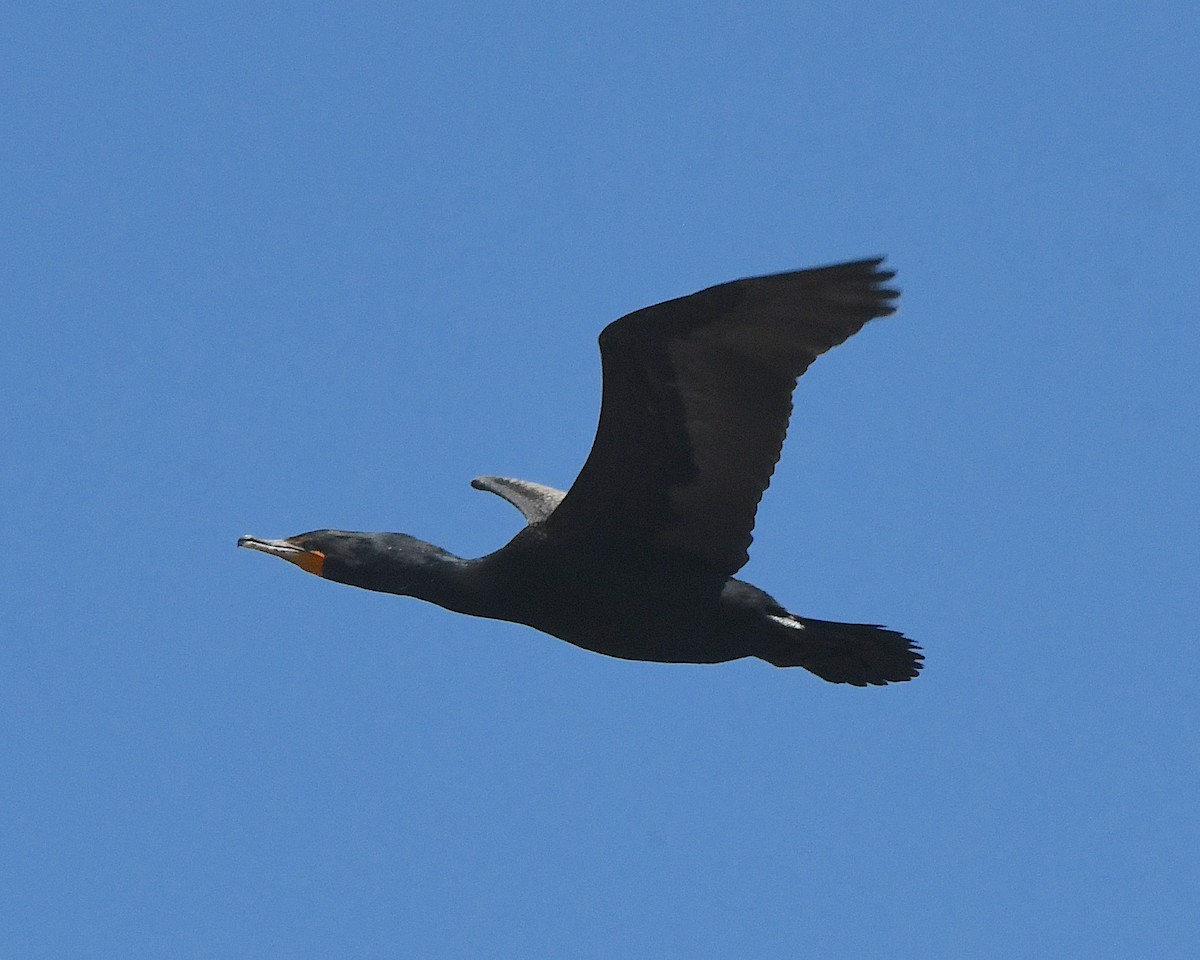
<point x="389" y="562"/>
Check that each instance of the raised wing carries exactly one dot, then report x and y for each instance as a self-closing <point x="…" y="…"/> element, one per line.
<point x="697" y="396"/>
<point x="535" y="500"/>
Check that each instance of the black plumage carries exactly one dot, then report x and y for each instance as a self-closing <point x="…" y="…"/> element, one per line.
<point x="637" y="559"/>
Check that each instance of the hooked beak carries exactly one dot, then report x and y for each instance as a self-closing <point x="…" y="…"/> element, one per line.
<point x="312" y="561"/>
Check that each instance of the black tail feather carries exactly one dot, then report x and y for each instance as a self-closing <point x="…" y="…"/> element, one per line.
<point x="857" y="653"/>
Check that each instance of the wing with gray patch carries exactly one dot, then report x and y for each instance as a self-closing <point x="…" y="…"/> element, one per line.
<point x="697" y="397"/>
<point x="534" y="500"/>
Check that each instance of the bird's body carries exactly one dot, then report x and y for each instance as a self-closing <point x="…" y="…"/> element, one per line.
<point x="637" y="559"/>
<point x="667" y="608"/>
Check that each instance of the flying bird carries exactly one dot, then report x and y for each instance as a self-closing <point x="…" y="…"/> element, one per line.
<point x="637" y="559"/>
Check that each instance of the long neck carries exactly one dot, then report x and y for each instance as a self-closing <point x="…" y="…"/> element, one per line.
<point x="454" y="583"/>
<point x="409" y="567"/>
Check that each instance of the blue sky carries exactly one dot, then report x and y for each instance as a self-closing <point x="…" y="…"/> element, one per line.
<point x="269" y="267"/>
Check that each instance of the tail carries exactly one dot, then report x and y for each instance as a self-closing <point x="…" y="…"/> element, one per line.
<point x="857" y="653"/>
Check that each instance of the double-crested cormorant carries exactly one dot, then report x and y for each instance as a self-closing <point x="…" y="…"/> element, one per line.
<point x="637" y="559"/>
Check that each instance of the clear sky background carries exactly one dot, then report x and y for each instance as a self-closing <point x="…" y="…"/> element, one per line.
<point x="276" y="266"/>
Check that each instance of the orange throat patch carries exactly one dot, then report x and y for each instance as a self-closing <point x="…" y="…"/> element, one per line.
<point x="311" y="561"/>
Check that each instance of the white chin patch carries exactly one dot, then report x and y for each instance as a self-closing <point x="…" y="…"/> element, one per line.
<point x="787" y="621"/>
